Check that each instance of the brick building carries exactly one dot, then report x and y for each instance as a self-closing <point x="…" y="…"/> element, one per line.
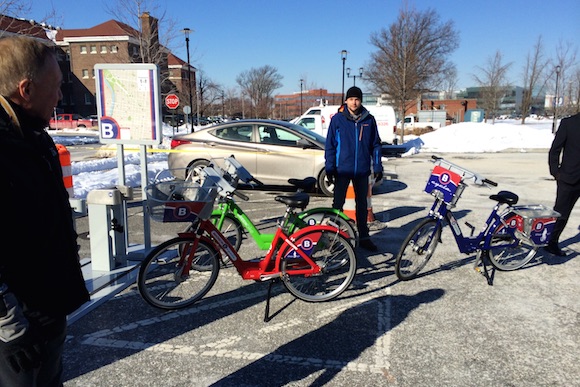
<point x="78" y="50"/>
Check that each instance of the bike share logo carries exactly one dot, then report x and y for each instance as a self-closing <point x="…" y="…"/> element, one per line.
<point x="181" y="212"/>
<point x="305" y="244"/>
<point x="444" y="181"/>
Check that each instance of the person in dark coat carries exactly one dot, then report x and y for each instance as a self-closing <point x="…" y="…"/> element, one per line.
<point x="353" y="151"/>
<point x="564" y="163"/>
<point x="41" y="281"/>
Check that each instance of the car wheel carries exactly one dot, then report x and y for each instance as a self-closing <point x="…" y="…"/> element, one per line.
<point x="194" y="169"/>
<point x="324" y="185"/>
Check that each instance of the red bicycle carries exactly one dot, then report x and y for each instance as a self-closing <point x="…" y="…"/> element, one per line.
<point x="316" y="263"/>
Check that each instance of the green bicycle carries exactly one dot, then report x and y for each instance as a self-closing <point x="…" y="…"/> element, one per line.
<point x="232" y="222"/>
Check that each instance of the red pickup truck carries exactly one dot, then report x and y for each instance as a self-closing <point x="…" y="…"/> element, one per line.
<point x="71" y="121"/>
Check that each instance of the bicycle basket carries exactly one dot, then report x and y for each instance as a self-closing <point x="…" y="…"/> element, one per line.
<point x="535" y="222"/>
<point x="445" y="184"/>
<point x="179" y="201"/>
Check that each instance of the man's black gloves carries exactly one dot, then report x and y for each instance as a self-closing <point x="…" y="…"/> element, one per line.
<point x="331" y="177"/>
<point x="378" y="176"/>
<point x="20" y="344"/>
<point x="25" y="352"/>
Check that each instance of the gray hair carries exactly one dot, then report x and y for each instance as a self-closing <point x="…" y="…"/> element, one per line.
<point x="21" y="57"/>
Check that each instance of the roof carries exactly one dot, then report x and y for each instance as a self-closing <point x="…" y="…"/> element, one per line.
<point x="108" y="28"/>
<point x="25" y="27"/>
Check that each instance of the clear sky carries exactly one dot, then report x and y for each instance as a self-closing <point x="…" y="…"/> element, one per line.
<point x="303" y="39"/>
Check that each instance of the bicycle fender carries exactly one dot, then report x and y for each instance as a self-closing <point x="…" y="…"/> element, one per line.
<point x="322" y="210"/>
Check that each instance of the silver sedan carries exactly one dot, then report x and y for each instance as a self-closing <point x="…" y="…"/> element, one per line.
<point x="272" y="151"/>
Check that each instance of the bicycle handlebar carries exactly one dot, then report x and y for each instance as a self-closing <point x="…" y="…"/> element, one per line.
<point x="465" y="173"/>
<point x="257" y="181"/>
<point x="487" y="181"/>
<point x="241" y="195"/>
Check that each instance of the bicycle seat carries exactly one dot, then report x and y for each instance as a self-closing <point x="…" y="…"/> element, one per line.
<point x="306" y="184"/>
<point x="297" y="200"/>
<point x="506" y="197"/>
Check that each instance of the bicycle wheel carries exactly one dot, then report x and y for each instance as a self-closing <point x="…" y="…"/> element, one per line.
<point x="508" y="252"/>
<point x="331" y="218"/>
<point x="161" y="280"/>
<point x="417" y="249"/>
<point x="230" y="228"/>
<point x="329" y="250"/>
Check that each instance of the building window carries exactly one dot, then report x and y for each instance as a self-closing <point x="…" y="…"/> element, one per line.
<point x="93" y="49"/>
<point x="67" y="52"/>
<point x="83" y="49"/>
<point x="114" y="48"/>
<point x="103" y="49"/>
<point x="88" y="99"/>
<point x="68" y="77"/>
<point x="85" y="73"/>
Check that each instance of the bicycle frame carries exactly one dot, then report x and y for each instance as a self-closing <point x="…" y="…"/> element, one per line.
<point x="268" y="267"/>
<point x="441" y="212"/>
<point x="264" y="240"/>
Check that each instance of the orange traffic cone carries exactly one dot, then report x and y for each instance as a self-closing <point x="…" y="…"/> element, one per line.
<point x="65" y="163"/>
<point x="349" y="203"/>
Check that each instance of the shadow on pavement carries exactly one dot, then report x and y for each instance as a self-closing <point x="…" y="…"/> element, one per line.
<point x="345" y="339"/>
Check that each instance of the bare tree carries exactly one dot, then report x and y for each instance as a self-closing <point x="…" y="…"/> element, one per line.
<point x="412" y="56"/>
<point x="566" y="64"/>
<point x="493" y="83"/>
<point x="575" y="93"/>
<point x="534" y="77"/>
<point x="209" y="93"/>
<point x="156" y="33"/>
<point x="449" y="82"/>
<point x="162" y="33"/>
<point x="259" y="84"/>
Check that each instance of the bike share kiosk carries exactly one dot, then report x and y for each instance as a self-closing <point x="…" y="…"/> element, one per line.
<point x="108" y="227"/>
<point x="129" y="112"/>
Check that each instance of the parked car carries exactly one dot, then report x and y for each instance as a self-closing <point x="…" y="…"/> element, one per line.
<point x="272" y="151"/>
<point x="174" y="119"/>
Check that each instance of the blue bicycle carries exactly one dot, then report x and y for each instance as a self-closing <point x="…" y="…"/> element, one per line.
<point x="509" y="239"/>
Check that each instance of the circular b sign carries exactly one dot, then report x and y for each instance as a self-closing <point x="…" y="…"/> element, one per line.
<point x="172" y="101"/>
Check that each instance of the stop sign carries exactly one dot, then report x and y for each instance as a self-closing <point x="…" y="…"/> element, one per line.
<point x="172" y="101"/>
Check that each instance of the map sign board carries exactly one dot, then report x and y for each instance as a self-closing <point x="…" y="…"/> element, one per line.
<point x="128" y="103"/>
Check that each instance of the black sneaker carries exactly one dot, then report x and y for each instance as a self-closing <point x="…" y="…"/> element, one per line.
<point x="553" y="248"/>
<point x="367" y="244"/>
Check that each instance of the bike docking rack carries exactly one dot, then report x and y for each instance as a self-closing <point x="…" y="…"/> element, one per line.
<point x="111" y="267"/>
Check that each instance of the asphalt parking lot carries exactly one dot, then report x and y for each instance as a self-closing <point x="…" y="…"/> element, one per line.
<point x="447" y="327"/>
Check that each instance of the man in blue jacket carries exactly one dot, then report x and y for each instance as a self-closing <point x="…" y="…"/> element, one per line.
<point x="353" y="146"/>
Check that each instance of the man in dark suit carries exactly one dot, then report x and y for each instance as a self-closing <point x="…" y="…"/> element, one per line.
<point x="564" y="163"/>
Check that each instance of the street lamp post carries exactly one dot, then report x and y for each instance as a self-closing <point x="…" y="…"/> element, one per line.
<point x="301" y="83"/>
<point x="187" y="31"/>
<point x="360" y="71"/>
<point x="343" y="54"/>
<point x="556" y="100"/>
